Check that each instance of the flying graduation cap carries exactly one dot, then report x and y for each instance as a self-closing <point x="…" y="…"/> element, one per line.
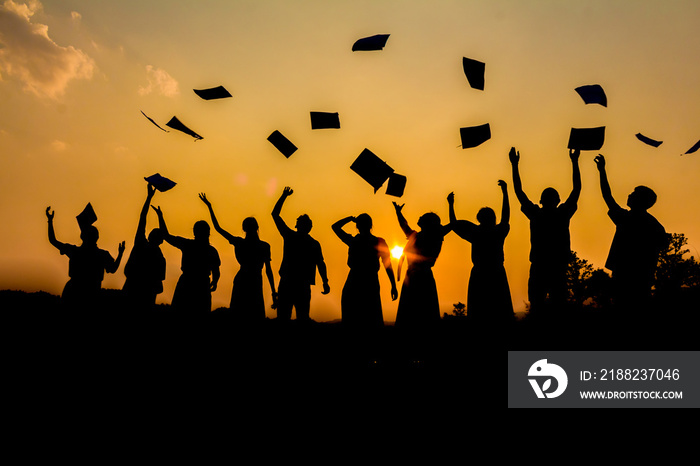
<point x="376" y="42"/>
<point x="87" y="217"/>
<point x="282" y="144"/>
<point x="587" y="138"/>
<point x="372" y="169"/>
<point x="218" y="92"/>
<point x="474" y="70"/>
<point x="151" y="120"/>
<point x="693" y="149"/>
<point x="322" y="120"/>
<point x="473" y="136"/>
<point x="161" y="183"/>
<point x="174" y="123"/>
<point x="593" y="94"/>
<point x="647" y="140"/>
<point x="396" y="185"/>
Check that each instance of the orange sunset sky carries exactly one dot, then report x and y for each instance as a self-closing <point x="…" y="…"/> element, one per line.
<point x="75" y="76"/>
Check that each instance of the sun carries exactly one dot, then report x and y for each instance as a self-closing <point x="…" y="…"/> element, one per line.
<point x="396" y="252"/>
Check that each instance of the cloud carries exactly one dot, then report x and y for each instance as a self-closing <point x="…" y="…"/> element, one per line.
<point x="59" y="146"/>
<point x="160" y="82"/>
<point x="29" y="54"/>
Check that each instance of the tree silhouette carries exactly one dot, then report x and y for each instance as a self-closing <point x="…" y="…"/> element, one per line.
<point x="676" y="271"/>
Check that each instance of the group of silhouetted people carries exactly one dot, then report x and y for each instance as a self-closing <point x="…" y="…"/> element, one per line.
<point x="633" y="257"/>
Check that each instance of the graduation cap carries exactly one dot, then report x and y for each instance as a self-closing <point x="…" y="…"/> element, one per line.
<point x="372" y="169"/>
<point x="151" y="120"/>
<point x="161" y="183"/>
<point x="587" y="138"/>
<point x="473" y="136"/>
<point x="694" y="148"/>
<point x="218" y="92"/>
<point x="376" y="42"/>
<point x="593" y="94"/>
<point x="174" y="123"/>
<point x="647" y="140"/>
<point x="87" y="216"/>
<point x="475" y="72"/>
<point x="282" y="144"/>
<point x="396" y="186"/>
<point x="321" y="120"/>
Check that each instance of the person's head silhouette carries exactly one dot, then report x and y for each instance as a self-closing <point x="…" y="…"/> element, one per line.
<point x="486" y="216"/>
<point x="155" y="237"/>
<point x="549" y="198"/>
<point x="304" y="224"/>
<point x="89" y="235"/>
<point x="429" y="222"/>
<point x="250" y="226"/>
<point x="201" y="231"/>
<point x="642" y="198"/>
<point x="363" y="223"/>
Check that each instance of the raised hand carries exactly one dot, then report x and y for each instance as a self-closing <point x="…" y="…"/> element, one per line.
<point x="451" y="198"/>
<point x="122" y="247"/>
<point x="151" y="190"/>
<point x="574" y="154"/>
<point x="397" y="207"/>
<point x="158" y="211"/>
<point x="503" y="185"/>
<point x="287" y="191"/>
<point x="49" y="214"/>
<point x="513" y="155"/>
<point x="204" y="199"/>
<point x="600" y="161"/>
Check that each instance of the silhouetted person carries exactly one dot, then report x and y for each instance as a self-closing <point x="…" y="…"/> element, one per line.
<point x="488" y="295"/>
<point x="252" y="254"/>
<point x="419" y="307"/>
<point x="550" y="240"/>
<point x="145" y="268"/>
<point x="301" y="256"/>
<point x="86" y="267"/>
<point x="361" y="305"/>
<point x="639" y="239"/>
<point x="200" y="261"/>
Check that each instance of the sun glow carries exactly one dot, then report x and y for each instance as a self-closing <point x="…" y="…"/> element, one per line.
<point x="396" y="252"/>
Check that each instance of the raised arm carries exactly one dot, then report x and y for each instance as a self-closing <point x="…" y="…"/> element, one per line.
<point x="451" y="205"/>
<point x="279" y="223"/>
<point x="514" y="157"/>
<point x="52" y="234"/>
<point x="141" y="228"/>
<point x="115" y="265"/>
<point x="385" y="256"/>
<point x="164" y="228"/>
<point x="407" y="230"/>
<point x="576" y="191"/>
<point x="337" y="227"/>
<point x="604" y="185"/>
<point x="217" y="227"/>
<point x="460" y="227"/>
<point x="505" y="209"/>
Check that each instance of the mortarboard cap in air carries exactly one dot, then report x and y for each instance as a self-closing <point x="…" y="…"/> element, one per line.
<point x="372" y="169"/>
<point x="87" y="216"/>
<point x="475" y="72"/>
<point x="647" y="140"/>
<point x="396" y="185"/>
<point x="376" y="42"/>
<point x="152" y="121"/>
<point x="218" y="92"/>
<point x="174" y="123"/>
<point x="587" y="138"/>
<point x="694" y="148"/>
<point x="473" y="136"/>
<point x="593" y="94"/>
<point x="282" y="144"/>
<point x="161" y="183"/>
<point x="321" y="120"/>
